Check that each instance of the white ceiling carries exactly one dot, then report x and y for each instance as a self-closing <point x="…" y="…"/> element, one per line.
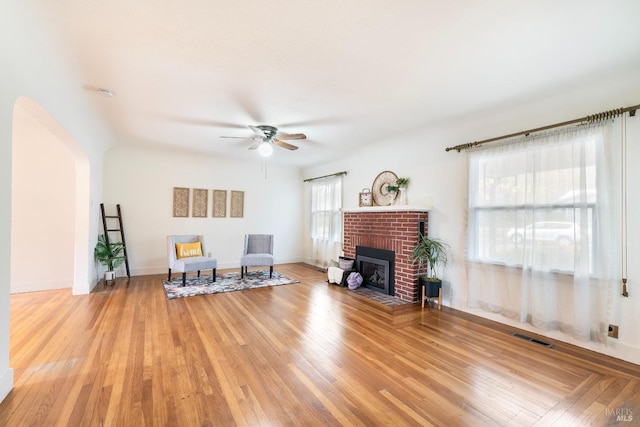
<point x="345" y="73"/>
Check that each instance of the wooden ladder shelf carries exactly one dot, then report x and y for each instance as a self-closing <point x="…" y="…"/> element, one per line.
<point x="120" y="230"/>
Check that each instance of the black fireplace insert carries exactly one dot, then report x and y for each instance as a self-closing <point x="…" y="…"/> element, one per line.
<point x="377" y="267"/>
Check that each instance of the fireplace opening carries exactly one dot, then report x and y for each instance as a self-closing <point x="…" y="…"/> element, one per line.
<point x="377" y="268"/>
<point x="375" y="273"/>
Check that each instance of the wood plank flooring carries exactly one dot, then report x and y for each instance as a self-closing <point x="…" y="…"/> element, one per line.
<point x="302" y="354"/>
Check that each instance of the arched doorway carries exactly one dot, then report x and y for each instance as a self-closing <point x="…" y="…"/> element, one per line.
<point x="50" y="204"/>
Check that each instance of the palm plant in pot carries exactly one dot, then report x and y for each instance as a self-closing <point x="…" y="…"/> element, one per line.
<point x="109" y="254"/>
<point x="432" y="254"/>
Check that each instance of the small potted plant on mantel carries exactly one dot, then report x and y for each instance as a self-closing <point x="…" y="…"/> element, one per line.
<point x="110" y="255"/>
<point x="430" y="253"/>
<point x="400" y="187"/>
<point x="402" y="184"/>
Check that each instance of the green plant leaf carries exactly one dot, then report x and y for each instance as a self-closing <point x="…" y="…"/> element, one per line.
<point x="109" y="255"/>
<point x="430" y="254"/>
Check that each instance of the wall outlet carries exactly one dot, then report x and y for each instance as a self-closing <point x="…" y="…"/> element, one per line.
<point x="613" y="331"/>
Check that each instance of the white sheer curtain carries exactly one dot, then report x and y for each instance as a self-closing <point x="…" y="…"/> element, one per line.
<point x="544" y="229"/>
<point x="326" y="220"/>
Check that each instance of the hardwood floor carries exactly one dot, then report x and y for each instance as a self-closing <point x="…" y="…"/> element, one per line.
<point x="302" y="354"/>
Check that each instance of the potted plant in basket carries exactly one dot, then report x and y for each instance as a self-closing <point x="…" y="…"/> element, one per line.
<point x="109" y="254"/>
<point x="430" y="253"/>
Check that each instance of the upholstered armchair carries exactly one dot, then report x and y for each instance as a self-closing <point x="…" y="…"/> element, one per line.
<point x="258" y="251"/>
<point x="187" y="253"/>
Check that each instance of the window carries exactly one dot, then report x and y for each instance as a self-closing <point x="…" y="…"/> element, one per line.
<point x="533" y="204"/>
<point x="326" y="220"/>
<point x="542" y="205"/>
<point x="325" y="210"/>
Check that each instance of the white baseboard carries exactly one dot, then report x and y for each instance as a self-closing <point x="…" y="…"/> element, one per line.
<point x="613" y="348"/>
<point x="39" y="285"/>
<point x="83" y="288"/>
<point x="6" y="383"/>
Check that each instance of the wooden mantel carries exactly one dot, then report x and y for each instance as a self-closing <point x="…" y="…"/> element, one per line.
<point x="401" y="208"/>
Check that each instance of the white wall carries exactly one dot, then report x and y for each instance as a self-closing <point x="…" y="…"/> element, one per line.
<point x="141" y="180"/>
<point x="439" y="181"/>
<point x="43" y="208"/>
<point x="6" y="108"/>
<point x="33" y="68"/>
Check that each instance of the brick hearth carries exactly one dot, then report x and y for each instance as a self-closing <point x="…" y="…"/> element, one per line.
<point x="394" y="228"/>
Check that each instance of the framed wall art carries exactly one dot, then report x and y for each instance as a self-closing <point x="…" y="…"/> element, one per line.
<point x="219" y="204"/>
<point x="180" y="202"/>
<point x="237" y="204"/>
<point x="200" y="203"/>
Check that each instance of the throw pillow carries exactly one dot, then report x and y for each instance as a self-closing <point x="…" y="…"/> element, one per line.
<point x="345" y="263"/>
<point x="354" y="280"/>
<point x="186" y="250"/>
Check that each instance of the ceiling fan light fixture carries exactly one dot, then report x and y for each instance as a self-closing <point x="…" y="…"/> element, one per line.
<point x="265" y="149"/>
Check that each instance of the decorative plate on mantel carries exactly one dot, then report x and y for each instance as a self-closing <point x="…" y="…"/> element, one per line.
<point x="382" y="197"/>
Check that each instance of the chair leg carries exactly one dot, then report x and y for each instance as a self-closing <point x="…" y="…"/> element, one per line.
<point x="184" y="278"/>
<point x="214" y="274"/>
<point x="270" y="271"/>
<point x="169" y="278"/>
<point x="198" y="273"/>
<point x="242" y="272"/>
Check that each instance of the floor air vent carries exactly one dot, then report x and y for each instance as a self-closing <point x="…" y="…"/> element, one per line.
<point x="533" y="340"/>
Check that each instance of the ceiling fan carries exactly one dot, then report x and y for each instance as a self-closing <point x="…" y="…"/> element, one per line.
<point x="267" y="136"/>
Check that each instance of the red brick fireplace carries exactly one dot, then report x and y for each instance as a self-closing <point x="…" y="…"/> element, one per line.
<point x="393" y="228"/>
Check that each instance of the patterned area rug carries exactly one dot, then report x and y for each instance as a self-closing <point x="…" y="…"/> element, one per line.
<point x="226" y="283"/>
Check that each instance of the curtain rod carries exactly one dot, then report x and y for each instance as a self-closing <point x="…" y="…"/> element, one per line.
<point x="326" y="176"/>
<point x="588" y="119"/>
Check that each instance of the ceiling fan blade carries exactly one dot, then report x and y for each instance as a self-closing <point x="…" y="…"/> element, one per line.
<point x="267" y="134"/>
<point x="258" y="131"/>
<point x="285" y="145"/>
<point x="202" y="122"/>
<point x="290" y="136"/>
